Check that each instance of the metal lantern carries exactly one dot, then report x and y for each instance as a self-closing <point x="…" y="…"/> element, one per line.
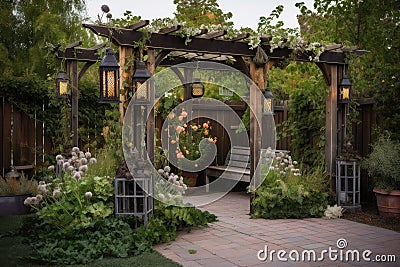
<point x="268" y="105"/>
<point x="344" y="90"/>
<point x="62" y="82"/>
<point x="109" y="78"/>
<point x="197" y="88"/>
<point x="142" y="93"/>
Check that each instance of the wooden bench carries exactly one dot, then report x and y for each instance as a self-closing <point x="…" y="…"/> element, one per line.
<point x="237" y="166"/>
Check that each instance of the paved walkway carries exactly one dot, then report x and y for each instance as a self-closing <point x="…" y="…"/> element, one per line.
<point x="235" y="240"/>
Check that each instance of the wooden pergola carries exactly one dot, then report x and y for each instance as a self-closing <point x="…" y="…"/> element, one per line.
<point x="211" y="46"/>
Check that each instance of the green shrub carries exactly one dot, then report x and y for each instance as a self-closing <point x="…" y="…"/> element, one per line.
<point x="287" y="194"/>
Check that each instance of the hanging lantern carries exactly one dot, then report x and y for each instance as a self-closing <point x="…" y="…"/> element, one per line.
<point x="268" y="105"/>
<point x="197" y="88"/>
<point x="62" y="82"/>
<point x="109" y="78"/>
<point x="142" y="92"/>
<point x="344" y="90"/>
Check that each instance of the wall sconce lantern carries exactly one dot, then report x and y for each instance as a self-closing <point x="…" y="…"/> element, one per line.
<point x="344" y="90"/>
<point x="62" y="82"/>
<point x="268" y="105"/>
<point x="197" y="88"/>
<point x="142" y="93"/>
<point x="109" y="78"/>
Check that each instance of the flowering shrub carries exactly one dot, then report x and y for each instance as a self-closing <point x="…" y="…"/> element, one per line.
<point x="76" y="200"/>
<point x="77" y="164"/>
<point x="287" y="193"/>
<point x="188" y="137"/>
<point x="173" y="193"/>
<point x="333" y="212"/>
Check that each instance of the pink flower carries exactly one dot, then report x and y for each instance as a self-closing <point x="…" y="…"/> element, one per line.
<point x="180" y="118"/>
<point x="171" y="115"/>
<point x="180" y="155"/>
<point x="184" y="114"/>
<point x="180" y="129"/>
<point x="88" y="194"/>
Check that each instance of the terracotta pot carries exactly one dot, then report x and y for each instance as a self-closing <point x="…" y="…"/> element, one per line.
<point x="13" y="205"/>
<point x="190" y="177"/>
<point x="388" y="203"/>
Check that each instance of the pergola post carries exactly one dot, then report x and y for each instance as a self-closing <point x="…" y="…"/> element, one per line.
<point x="331" y="119"/>
<point x="125" y="52"/>
<point x="151" y="67"/>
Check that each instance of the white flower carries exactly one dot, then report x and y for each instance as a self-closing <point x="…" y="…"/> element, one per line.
<point x="92" y="160"/>
<point x="294" y="162"/>
<point x="81" y="154"/>
<point x="51" y="168"/>
<point x="39" y="197"/>
<point x="66" y="165"/>
<point x="75" y="149"/>
<point x="88" y="155"/>
<point x="71" y="168"/>
<point x="83" y="168"/>
<point x="84" y="161"/>
<point x="160" y="171"/>
<point x="77" y="175"/>
<point x="167" y="169"/>
<point x="73" y="154"/>
<point x="59" y="157"/>
<point x="161" y="196"/>
<point x="88" y="194"/>
<point x="57" y="193"/>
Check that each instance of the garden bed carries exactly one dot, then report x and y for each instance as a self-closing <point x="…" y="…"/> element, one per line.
<point x="370" y="216"/>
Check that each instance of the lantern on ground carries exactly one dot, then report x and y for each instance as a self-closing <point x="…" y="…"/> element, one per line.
<point x="344" y="90"/>
<point x="197" y="88"/>
<point x="268" y="102"/>
<point x="142" y="92"/>
<point x="62" y="82"/>
<point x="109" y="78"/>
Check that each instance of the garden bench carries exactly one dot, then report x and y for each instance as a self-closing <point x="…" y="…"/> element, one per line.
<point x="237" y="166"/>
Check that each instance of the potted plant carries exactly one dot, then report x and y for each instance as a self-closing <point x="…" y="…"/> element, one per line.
<point x="382" y="165"/>
<point x="14" y="189"/>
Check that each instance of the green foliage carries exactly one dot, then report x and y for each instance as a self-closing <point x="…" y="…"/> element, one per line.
<point x="105" y="237"/>
<point x="72" y="208"/>
<point x="387" y="96"/>
<point x="286" y="194"/>
<point x="382" y="164"/>
<point x="29" y="28"/>
<point x="304" y="86"/>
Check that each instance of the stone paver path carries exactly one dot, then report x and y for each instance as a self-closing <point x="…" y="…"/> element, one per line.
<point x="235" y="240"/>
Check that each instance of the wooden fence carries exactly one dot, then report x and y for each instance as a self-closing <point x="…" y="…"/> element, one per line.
<point x="21" y="138"/>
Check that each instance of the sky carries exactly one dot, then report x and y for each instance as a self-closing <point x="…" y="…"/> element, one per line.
<point x="246" y="13"/>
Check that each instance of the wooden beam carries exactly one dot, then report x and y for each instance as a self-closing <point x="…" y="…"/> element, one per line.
<point x="96" y="47"/>
<point x="160" y="56"/>
<point x="150" y="124"/>
<point x="125" y="53"/>
<point x="138" y="25"/>
<point x="127" y="37"/>
<point x="168" y="30"/>
<point x="213" y="35"/>
<point x="240" y="37"/>
<point x="75" y="44"/>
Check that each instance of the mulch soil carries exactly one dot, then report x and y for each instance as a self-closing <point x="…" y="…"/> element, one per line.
<point x="370" y="216"/>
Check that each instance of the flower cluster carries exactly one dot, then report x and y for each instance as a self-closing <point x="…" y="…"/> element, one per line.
<point x="333" y="212"/>
<point x="33" y="200"/>
<point x="172" y="178"/>
<point x="77" y="164"/>
<point x="188" y="137"/>
<point x="284" y="165"/>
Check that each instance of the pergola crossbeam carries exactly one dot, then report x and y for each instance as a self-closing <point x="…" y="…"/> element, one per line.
<point x="240" y="37"/>
<point x="213" y="35"/>
<point x="168" y="30"/>
<point x="138" y="25"/>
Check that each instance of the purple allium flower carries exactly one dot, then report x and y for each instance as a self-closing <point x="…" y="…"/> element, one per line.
<point x="88" y="155"/>
<point x="83" y="168"/>
<point x="167" y="169"/>
<point x="51" y="168"/>
<point x="57" y="193"/>
<point x="77" y="176"/>
<point x="66" y="165"/>
<point x="92" y="160"/>
<point x="75" y="149"/>
<point x="59" y="157"/>
<point x="88" y="194"/>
